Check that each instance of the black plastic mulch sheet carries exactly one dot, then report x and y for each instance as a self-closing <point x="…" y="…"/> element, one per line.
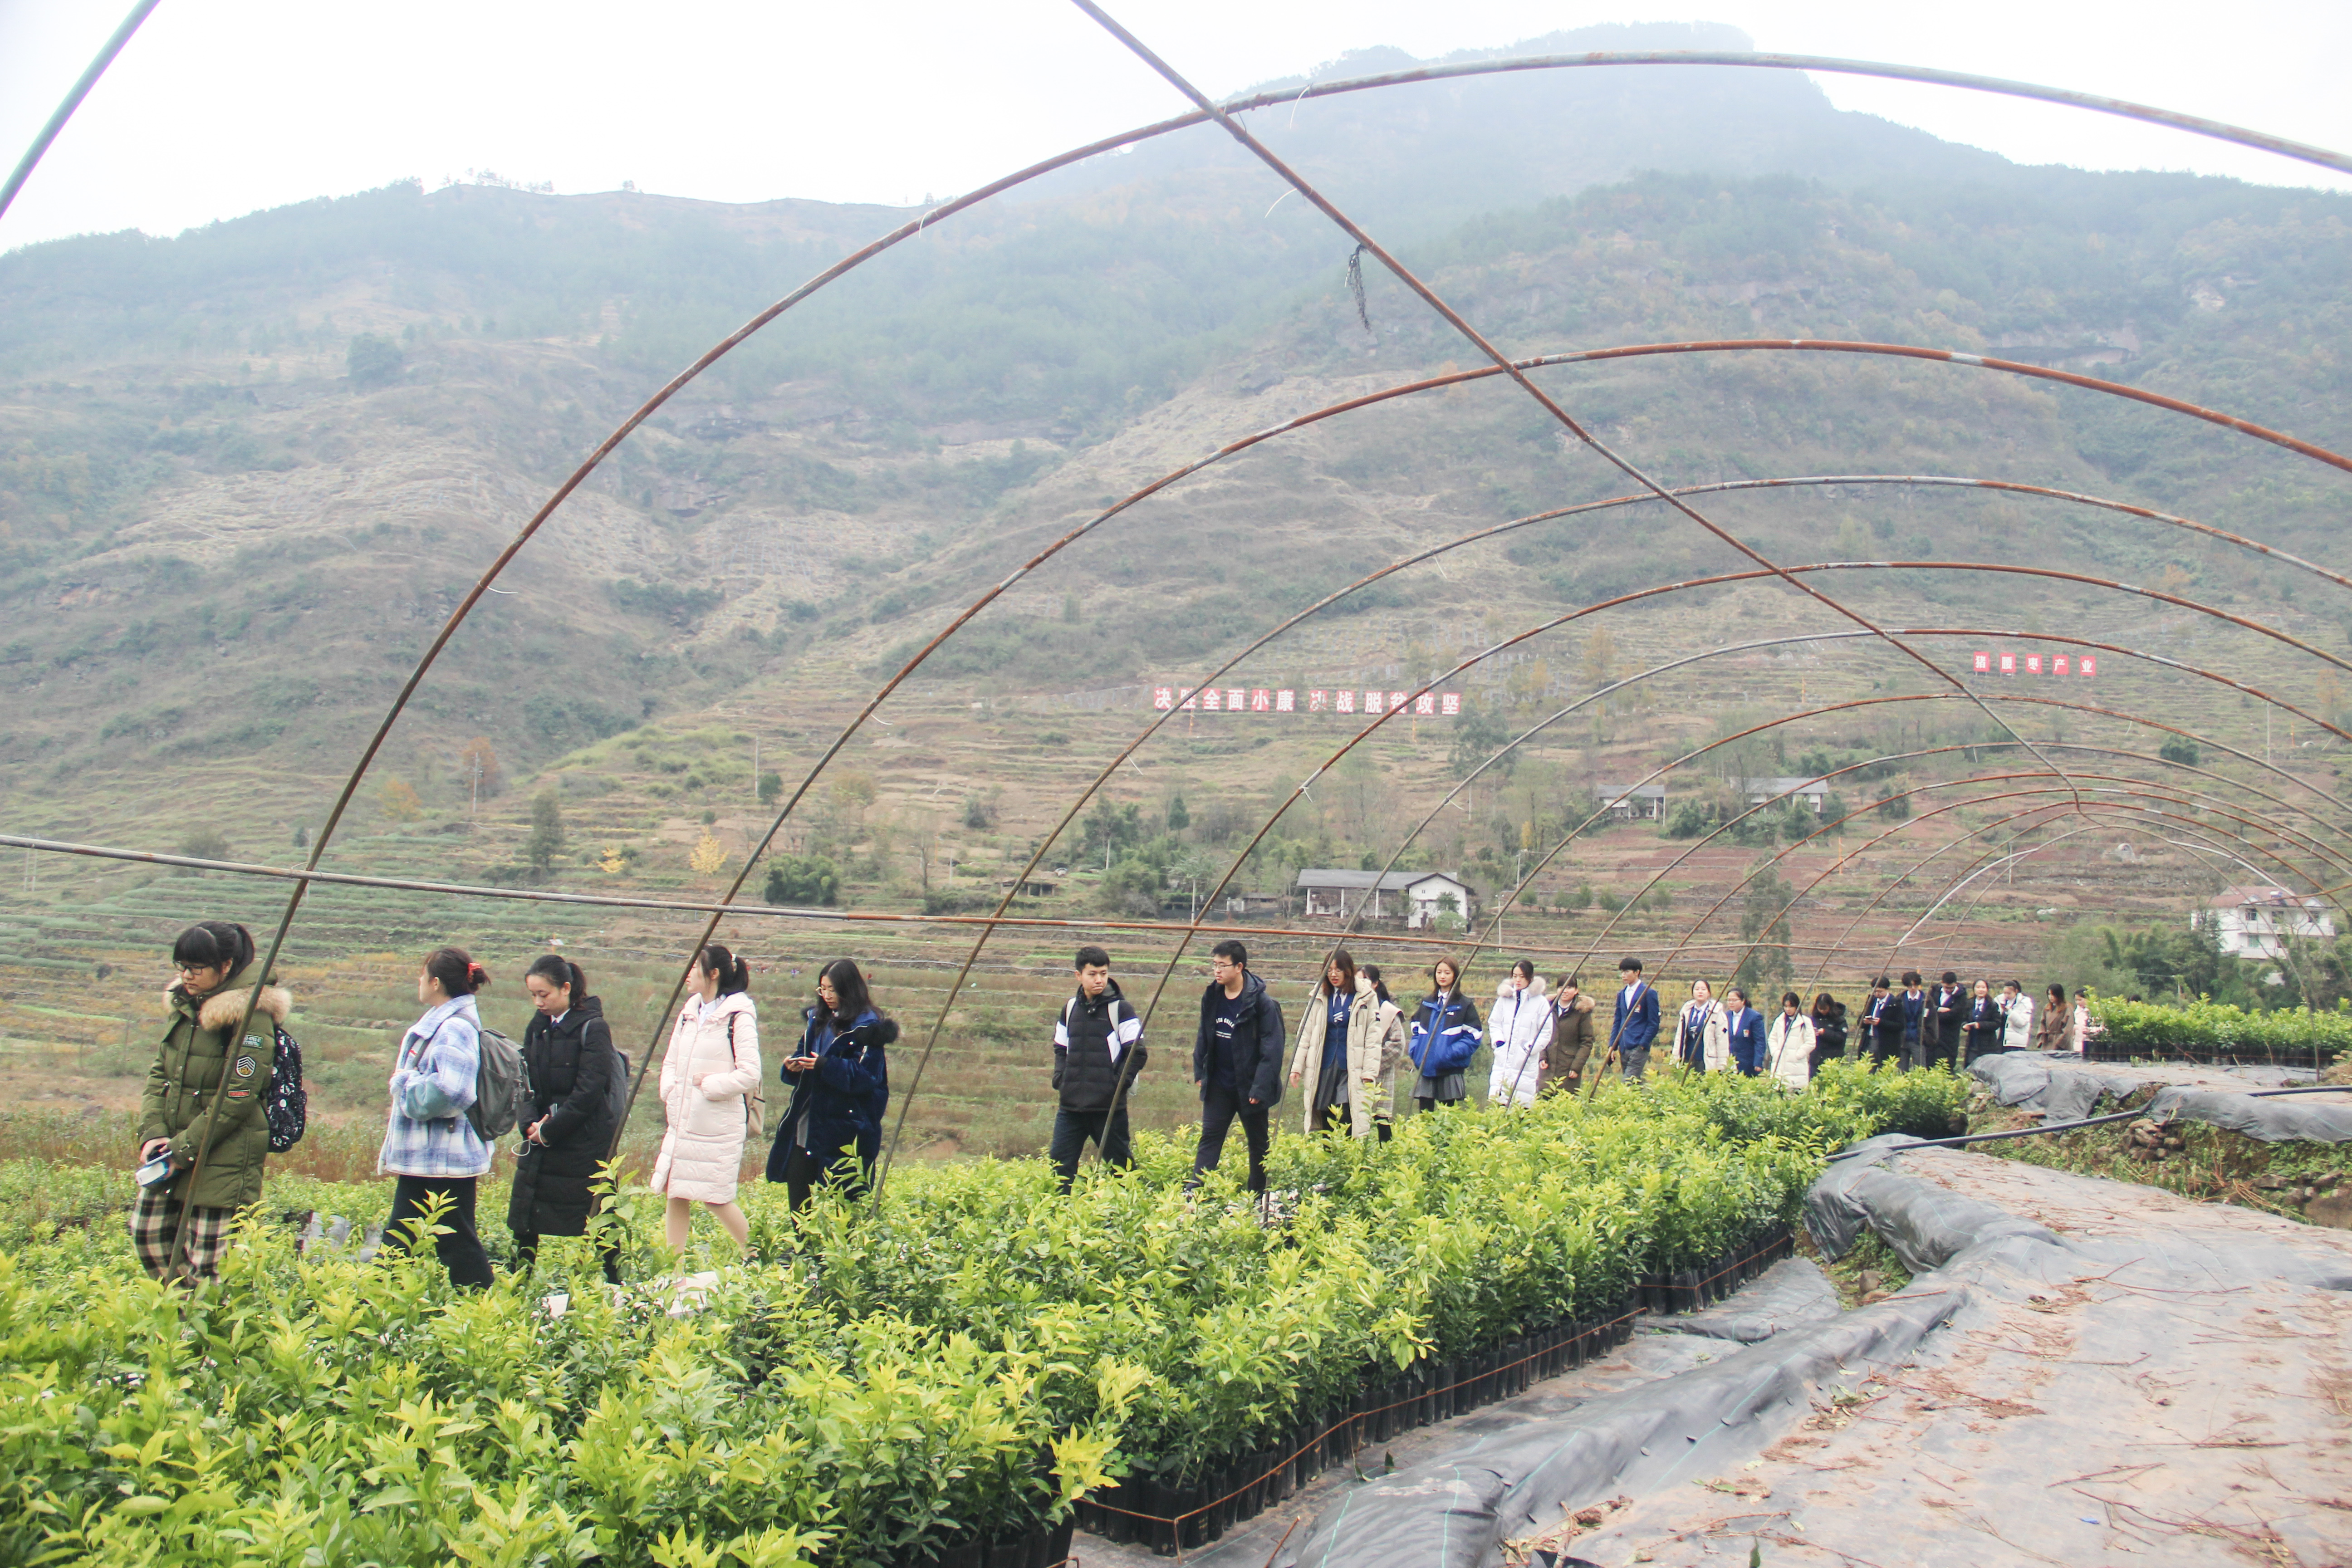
<point x="2066" y="1090"/>
<point x="1508" y="1484"/>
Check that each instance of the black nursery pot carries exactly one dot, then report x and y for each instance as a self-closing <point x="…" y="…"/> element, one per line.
<point x="1058" y="1544"/>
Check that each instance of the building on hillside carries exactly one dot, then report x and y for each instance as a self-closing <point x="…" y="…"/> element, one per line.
<point x="1811" y="793"/>
<point x="1629" y="803"/>
<point x="2254" y="922"/>
<point x="1416" y="897"/>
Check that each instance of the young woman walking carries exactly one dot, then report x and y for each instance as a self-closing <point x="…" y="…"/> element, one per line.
<point x="2057" y="1029"/>
<point x="710" y="1085"/>
<point x="1700" y="1043"/>
<point x="567" y="1126"/>
<point x="1829" y="1029"/>
<point x="1351" y="1041"/>
<point x="1789" y="1044"/>
<point x="430" y="1147"/>
<point x="1521" y="1024"/>
<point x="203" y="1055"/>
<point x="840" y="1078"/>
<point x="1443" y="1038"/>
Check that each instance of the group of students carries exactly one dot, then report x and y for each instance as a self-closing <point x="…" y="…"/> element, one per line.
<point x="204" y="1140"/>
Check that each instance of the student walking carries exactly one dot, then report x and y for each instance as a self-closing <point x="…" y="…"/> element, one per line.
<point x="710" y="1088"/>
<point x="204" y="1094"/>
<point x="1521" y="1028"/>
<point x="1743" y="1032"/>
<point x="1699" y="1042"/>
<point x="840" y="1078"/>
<point x="1949" y="1000"/>
<point x="1634" y="1029"/>
<point x="1983" y="1026"/>
<point x="2017" y="1015"/>
<point x="577" y="1086"/>
<point x="1371" y="972"/>
<point x="1571" y="1036"/>
<point x="2057" y="1031"/>
<point x="1236" y="1062"/>
<point x="1097" y="1053"/>
<point x="1881" y="1023"/>
<point x="1789" y="1044"/>
<point x="1442" y="1039"/>
<point x="1351" y="1041"/>
<point x="1829" y="1029"/>
<point x="430" y="1147"/>
<point x="1919" y="1021"/>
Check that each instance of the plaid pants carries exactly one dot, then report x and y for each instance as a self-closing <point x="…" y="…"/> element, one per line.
<point x="155" y="1224"/>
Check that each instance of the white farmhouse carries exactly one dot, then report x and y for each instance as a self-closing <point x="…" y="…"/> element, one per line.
<point x="2254" y="922"/>
<point x="1418" y="897"/>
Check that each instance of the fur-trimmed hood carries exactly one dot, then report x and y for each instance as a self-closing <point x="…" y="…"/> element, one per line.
<point x="225" y="1009"/>
<point x="1503" y="989"/>
<point x="1583" y="1003"/>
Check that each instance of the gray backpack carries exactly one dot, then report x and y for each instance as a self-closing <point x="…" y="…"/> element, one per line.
<point x="501" y="1088"/>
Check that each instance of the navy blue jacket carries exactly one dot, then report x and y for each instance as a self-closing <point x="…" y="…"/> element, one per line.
<point x="844" y="1094"/>
<point x="1744" y="1033"/>
<point x="1631" y="1031"/>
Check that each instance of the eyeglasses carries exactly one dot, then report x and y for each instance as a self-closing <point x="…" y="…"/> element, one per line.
<point x="186" y="969"/>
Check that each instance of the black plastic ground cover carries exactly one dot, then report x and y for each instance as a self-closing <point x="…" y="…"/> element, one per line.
<point x="1172" y="1518"/>
<point x="2067" y="1091"/>
<point x="1456" y="1512"/>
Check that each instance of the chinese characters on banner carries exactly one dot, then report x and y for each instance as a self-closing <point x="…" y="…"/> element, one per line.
<point x="1263" y="700"/>
<point x="2034" y="664"/>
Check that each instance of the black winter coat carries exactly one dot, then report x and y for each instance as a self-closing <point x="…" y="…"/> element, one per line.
<point x="1084" y="1073"/>
<point x="1258" y="1041"/>
<point x="571" y="1067"/>
<point x="1830" y="1031"/>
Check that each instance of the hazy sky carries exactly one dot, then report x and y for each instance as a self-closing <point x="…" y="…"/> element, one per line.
<point x="220" y="107"/>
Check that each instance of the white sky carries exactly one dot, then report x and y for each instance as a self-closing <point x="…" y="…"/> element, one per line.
<point x="220" y="107"/>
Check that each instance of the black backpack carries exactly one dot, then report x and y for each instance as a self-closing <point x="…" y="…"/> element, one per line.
<point x="285" y="1104"/>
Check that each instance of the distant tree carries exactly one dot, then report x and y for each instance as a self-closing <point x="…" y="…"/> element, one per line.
<point x="770" y="786"/>
<point x="546" y="831"/>
<point x="204" y="844"/>
<point x="708" y="856"/>
<point x="373" y="360"/>
<point x="1895" y="807"/>
<point x="976" y="815"/>
<point x="2178" y="749"/>
<point x="1180" y="815"/>
<point x="302" y="838"/>
<point x="1767" y="969"/>
<point x="1479" y="736"/>
<point x="798" y="879"/>
<point x="1581" y="898"/>
<point x="1688" y="820"/>
<point x="398" y="798"/>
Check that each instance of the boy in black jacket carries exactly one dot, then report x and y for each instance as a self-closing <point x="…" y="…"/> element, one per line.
<point x="1097" y="1052"/>
<point x="1237" y="1061"/>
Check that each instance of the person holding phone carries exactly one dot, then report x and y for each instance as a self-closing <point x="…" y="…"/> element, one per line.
<point x="840" y="1079"/>
<point x="204" y="1092"/>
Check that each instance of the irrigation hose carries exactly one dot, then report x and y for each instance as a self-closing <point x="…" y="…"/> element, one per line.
<point x="2070" y="1126"/>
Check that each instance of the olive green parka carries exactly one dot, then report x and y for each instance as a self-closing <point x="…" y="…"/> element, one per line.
<point x="192" y="1061"/>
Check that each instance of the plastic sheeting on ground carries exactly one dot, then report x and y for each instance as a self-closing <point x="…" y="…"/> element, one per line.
<point x="1791" y="1294"/>
<point x="2066" y="1089"/>
<point x="1971" y="1258"/>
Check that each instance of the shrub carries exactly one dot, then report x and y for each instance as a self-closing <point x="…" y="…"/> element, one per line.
<point x="801" y="879"/>
<point x="2216" y="1028"/>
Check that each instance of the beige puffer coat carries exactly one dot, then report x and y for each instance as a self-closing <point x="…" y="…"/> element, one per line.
<point x="702" y="1152"/>
<point x="1376" y="1044"/>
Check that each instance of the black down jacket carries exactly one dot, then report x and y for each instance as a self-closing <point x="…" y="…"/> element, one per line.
<point x="571" y="1067"/>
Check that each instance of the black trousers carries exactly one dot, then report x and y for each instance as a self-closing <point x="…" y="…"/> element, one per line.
<point x="1219" y="1106"/>
<point x="1073" y="1128"/>
<point x="460" y="1251"/>
<point x="608" y="1247"/>
<point x="803" y="1175"/>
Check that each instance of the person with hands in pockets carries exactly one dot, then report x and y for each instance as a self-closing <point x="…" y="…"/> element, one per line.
<point x="1236" y="1063"/>
<point x="1350" y="1038"/>
<point x="1521" y="1025"/>
<point x="840" y="1078"/>
<point x="710" y="1088"/>
<point x="430" y="1148"/>
<point x="567" y="1127"/>
<point x="1443" y="1038"/>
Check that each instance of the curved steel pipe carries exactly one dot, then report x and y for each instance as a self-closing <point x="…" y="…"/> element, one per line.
<point x="80" y="89"/>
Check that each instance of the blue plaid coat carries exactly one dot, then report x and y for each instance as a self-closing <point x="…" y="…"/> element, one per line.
<point x="432" y="1085"/>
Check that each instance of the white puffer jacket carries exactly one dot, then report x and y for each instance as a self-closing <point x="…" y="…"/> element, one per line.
<point x="702" y="1152"/>
<point x="1788" y="1049"/>
<point x="1520" y="1028"/>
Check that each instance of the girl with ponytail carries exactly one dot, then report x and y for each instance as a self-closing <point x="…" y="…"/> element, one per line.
<point x="430" y="1148"/>
<point x="711" y="1096"/>
<point x="577" y="1081"/>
